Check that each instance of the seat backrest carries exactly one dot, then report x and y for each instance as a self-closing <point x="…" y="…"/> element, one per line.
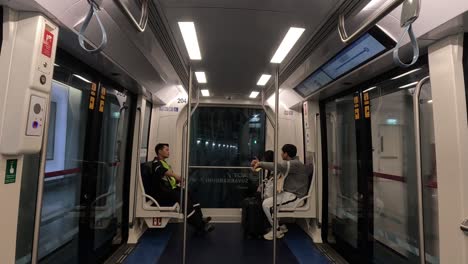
<point x="145" y="173"/>
<point x="310" y="172"/>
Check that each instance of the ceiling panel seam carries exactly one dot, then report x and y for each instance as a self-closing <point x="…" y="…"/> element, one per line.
<point x="159" y="28"/>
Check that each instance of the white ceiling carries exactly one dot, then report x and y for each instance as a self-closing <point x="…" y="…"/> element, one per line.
<point x="238" y="38"/>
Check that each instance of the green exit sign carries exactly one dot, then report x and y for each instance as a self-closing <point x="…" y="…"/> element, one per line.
<point x="10" y="173"/>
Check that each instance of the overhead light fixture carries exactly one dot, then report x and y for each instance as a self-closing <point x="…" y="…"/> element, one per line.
<point x="406" y="73"/>
<point x="263" y="79"/>
<point x="190" y="39"/>
<point x="82" y="78"/>
<point x="369" y="89"/>
<point x="205" y="92"/>
<point x="201" y="77"/>
<point x="408" y="85"/>
<point x="392" y="121"/>
<point x="429" y="102"/>
<point x="254" y="94"/>
<point x="286" y="45"/>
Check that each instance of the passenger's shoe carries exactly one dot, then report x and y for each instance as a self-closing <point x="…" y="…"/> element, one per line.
<point x="208" y="228"/>
<point x="269" y="235"/>
<point x="207" y="219"/>
<point x="283" y="229"/>
<point x="204" y="230"/>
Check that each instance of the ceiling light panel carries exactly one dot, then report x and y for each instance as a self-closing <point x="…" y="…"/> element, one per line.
<point x="286" y="45"/>
<point x="201" y="77"/>
<point x="190" y="39"/>
<point x="254" y="94"/>
<point x="263" y="79"/>
<point x="205" y="92"/>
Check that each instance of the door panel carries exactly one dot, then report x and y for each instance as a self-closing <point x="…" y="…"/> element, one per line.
<point x="342" y="171"/>
<point x="83" y="197"/>
<point x="372" y="170"/>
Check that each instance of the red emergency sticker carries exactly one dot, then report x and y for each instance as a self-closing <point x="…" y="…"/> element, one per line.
<point x="47" y="43"/>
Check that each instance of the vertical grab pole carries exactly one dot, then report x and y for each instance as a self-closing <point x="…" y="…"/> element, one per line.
<point x="187" y="162"/>
<point x="275" y="194"/>
<point x="417" y="132"/>
<point x="315" y="173"/>
<point x="40" y="191"/>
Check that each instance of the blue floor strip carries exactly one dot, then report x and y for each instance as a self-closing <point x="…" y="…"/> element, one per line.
<point x="225" y="245"/>
<point x="302" y="247"/>
<point x="150" y="247"/>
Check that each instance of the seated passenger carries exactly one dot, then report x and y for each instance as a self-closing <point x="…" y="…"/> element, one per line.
<point x="165" y="190"/>
<point x="295" y="184"/>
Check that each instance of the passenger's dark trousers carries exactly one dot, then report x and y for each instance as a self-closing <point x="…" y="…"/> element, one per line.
<point x="194" y="216"/>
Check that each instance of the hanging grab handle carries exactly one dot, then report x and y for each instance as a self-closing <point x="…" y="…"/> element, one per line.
<point x="368" y="23"/>
<point x="141" y="25"/>
<point x="93" y="10"/>
<point x="414" y="43"/>
<point x="409" y="13"/>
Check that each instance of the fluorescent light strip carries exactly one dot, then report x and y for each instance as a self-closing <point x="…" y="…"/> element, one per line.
<point x="286" y="45"/>
<point x="201" y="77"/>
<point x="263" y="79"/>
<point x="408" y="85"/>
<point x="205" y="92"/>
<point x="370" y="89"/>
<point x="429" y="102"/>
<point x="190" y="39"/>
<point x="82" y="78"/>
<point x="254" y="94"/>
<point x="406" y="73"/>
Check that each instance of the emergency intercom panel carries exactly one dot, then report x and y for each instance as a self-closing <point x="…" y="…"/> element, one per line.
<point x="26" y="65"/>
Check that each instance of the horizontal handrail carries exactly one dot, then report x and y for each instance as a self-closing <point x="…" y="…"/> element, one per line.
<point x="141" y="25"/>
<point x="218" y="167"/>
<point x="368" y="23"/>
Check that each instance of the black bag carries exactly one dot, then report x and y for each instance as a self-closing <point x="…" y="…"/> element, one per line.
<point x="254" y="221"/>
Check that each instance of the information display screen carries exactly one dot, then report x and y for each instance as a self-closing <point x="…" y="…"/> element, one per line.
<point x="351" y="57"/>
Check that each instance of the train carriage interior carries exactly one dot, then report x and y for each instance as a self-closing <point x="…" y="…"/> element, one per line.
<point x="216" y="131"/>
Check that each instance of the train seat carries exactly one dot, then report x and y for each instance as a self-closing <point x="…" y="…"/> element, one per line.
<point x="155" y="215"/>
<point x="304" y="208"/>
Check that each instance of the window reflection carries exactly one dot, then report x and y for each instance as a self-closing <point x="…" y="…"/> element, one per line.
<point x="224" y="136"/>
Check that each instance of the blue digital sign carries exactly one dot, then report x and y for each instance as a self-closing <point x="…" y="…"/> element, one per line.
<point x="314" y="82"/>
<point x="358" y="52"/>
<point x="345" y="61"/>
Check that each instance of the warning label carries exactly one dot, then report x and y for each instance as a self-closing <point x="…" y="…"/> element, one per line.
<point x="47" y="43"/>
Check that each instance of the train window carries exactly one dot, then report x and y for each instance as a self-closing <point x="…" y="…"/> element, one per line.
<point x="51" y="133"/>
<point x="225" y="137"/>
<point x="366" y="48"/>
<point x="63" y="169"/>
<point x="27" y="208"/>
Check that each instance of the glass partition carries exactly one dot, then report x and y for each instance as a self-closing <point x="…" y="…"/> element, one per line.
<point x="223" y="142"/>
<point x="226" y="136"/>
<point x="222" y="188"/>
